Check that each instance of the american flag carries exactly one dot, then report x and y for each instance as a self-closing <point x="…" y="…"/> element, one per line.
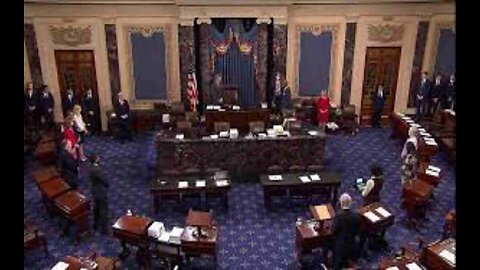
<point x="192" y="90"/>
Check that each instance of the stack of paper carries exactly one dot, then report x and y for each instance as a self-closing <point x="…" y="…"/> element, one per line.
<point x="382" y="211"/>
<point x="264" y="105"/>
<point x="179" y="136"/>
<point x="275" y="177"/>
<point x="222" y="183"/>
<point x="270" y="132"/>
<point x="235" y="107"/>
<point x="413" y="266"/>
<point x="371" y="216"/>
<point x="210" y="107"/>
<point x="60" y="266"/>
<point x="233" y="133"/>
<point x="322" y="212"/>
<point x="312" y="132"/>
<point x="315" y="177"/>
<point x="201" y="183"/>
<point x="156" y="229"/>
<point x="425" y="134"/>
<point x="182" y="184"/>
<point x="216" y="107"/>
<point x="415" y="125"/>
<point x="305" y="179"/>
<point x="432" y="173"/>
<point x="448" y="256"/>
<point x="175" y="235"/>
<point x="262" y="135"/>
<point x="393" y="268"/>
<point x="422" y="130"/>
<point x="165" y="118"/>
<point x="164" y="237"/>
<point x="214" y="136"/>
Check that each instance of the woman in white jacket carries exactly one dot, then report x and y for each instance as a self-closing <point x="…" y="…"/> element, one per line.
<point x="81" y="129"/>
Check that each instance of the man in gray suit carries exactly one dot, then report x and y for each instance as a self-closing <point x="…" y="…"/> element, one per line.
<point x="99" y="194"/>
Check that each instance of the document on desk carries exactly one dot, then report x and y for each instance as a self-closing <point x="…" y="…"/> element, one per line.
<point x="371" y="216"/>
<point x="222" y="183"/>
<point x="312" y="133"/>
<point x="275" y="177"/>
<point x="175" y="235"/>
<point x="305" y="179"/>
<point x="433" y="168"/>
<point x="382" y="211"/>
<point x="429" y="142"/>
<point x="426" y="134"/>
<point x="182" y="184"/>
<point x="201" y="183"/>
<point x="322" y="212"/>
<point x="393" y="268"/>
<point x="432" y="173"/>
<point x="422" y="130"/>
<point x="164" y="237"/>
<point x="448" y="256"/>
<point x="60" y="266"/>
<point x="413" y="266"/>
<point x="315" y="177"/>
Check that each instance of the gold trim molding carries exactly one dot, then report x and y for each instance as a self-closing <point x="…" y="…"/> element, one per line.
<point x="146" y="31"/>
<point x="71" y="36"/>
<point x="385" y="33"/>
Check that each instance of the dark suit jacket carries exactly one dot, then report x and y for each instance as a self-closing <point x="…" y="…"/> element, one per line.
<point x="437" y="91"/>
<point x="379" y="102"/>
<point x="99" y="183"/>
<point x="89" y="104"/>
<point x="346" y="227"/>
<point x="45" y="103"/>
<point x="68" y="104"/>
<point x="68" y="165"/>
<point x="424" y="90"/>
<point x="30" y="101"/>
<point x="122" y="109"/>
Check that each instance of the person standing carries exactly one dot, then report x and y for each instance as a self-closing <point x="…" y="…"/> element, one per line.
<point x="323" y="109"/>
<point x="435" y="95"/>
<point x="423" y="92"/>
<point x="373" y="187"/>
<point x="69" y="102"/>
<point x="378" y="104"/>
<point x="409" y="164"/>
<point x="99" y="191"/>
<point x="346" y="230"/>
<point x="81" y="129"/>
<point x="450" y="94"/>
<point x="46" y="105"/>
<point x="90" y="110"/>
<point x="30" y="107"/>
<point x="122" y="115"/>
<point x="216" y="90"/>
<point x="412" y="137"/>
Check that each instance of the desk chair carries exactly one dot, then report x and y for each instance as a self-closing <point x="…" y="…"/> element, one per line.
<point x="185" y="127"/>
<point x="192" y="117"/>
<point x="294" y="127"/>
<point x="230" y="97"/>
<point x="221" y="126"/>
<point x="348" y="119"/>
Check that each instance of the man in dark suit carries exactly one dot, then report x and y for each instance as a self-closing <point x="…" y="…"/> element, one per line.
<point x="450" y="94"/>
<point x="30" y="107"/>
<point x="435" y="94"/>
<point x="99" y="194"/>
<point x="122" y="118"/>
<point x="45" y="106"/>
<point x="90" y="109"/>
<point x="68" y="102"/>
<point x="423" y="92"/>
<point x="346" y="227"/>
<point x="378" y="104"/>
<point x="68" y="166"/>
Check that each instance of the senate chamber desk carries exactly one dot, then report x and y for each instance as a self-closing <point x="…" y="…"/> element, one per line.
<point x="103" y="263"/>
<point x="315" y="233"/>
<point x="432" y="255"/>
<point x="75" y="207"/>
<point x="389" y="263"/>
<point x="131" y="230"/>
<point x="242" y="156"/>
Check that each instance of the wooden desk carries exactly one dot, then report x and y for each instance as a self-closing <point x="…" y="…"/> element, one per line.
<point x="379" y="226"/>
<point x="309" y="238"/>
<point x="244" y="158"/>
<point x="104" y="263"/>
<point x="170" y="189"/>
<point x="131" y="230"/>
<point x="400" y="263"/>
<point x="199" y="218"/>
<point x="144" y="120"/>
<point x="75" y="207"/>
<point x="195" y="246"/>
<point x="52" y="189"/>
<point x="422" y="175"/>
<point x="237" y="119"/>
<point x="416" y="194"/>
<point x="46" y="152"/>
<point x="44" y="174"/>
<point x="329" y="183"/>
<point x="431" y="255"/>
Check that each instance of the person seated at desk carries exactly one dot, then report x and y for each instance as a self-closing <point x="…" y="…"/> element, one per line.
<point x="122" y="118"/>
<point x="346" y="229"/>
<point x="409" y="163"/>
<point x="412" y="137"/>
<point x="371" y="192"/>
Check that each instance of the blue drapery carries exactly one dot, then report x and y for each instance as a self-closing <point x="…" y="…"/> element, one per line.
<point x="314" y="67"/>
<point x="445" y="63"/>
<point x="149" y="73"/>
<point x="236" y="67"/>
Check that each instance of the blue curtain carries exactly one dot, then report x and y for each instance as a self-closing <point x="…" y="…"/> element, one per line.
<point x="314" y="67"/>
<point x="445" y="63"/>
<point x="237" y="68"/>
<point x="148" y="55"/>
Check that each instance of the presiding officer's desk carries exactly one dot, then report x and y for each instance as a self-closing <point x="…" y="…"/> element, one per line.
<point x="237" y="119"/>
<point x="241" y="156"/>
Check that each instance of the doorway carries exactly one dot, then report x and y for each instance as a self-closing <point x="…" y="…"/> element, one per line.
<point x="381" y="68"/>
<point x="76" y="71"/>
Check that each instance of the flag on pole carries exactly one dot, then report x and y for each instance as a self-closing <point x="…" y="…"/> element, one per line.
<point x="192" y="90"/>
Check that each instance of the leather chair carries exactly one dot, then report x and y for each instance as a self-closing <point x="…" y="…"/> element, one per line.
<point x="230" y="97"/>
<point x="185" y="127"/>
<point x="348" y="119"/>
<point x="221" y="126"/>
<point x="294" y="127"/>
<point x="256" y="126"/>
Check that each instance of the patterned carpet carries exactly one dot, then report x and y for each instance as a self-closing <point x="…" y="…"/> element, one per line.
<point x="249" y="237"/>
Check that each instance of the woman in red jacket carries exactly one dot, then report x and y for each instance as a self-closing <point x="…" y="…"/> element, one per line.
<point x="71" y="137"/>
<point x="323" y="109"/>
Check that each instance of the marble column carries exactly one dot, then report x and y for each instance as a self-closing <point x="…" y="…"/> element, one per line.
<point x="33" y="57"/>
<point x="420" y="45"/>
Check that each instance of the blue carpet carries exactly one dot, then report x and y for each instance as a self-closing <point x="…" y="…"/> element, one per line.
<point x="249" y="237"/>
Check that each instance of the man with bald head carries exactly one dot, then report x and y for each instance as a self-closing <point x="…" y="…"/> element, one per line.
<point x="346" y="227"/>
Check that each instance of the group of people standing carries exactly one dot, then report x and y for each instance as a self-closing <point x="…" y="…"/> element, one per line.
<point x="431" y="96"/>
